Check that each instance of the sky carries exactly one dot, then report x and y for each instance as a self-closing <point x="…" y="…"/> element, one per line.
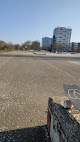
<point x="22" y="20"/>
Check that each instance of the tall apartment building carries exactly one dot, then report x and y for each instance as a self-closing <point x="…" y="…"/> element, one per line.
<point x="46" y="41"/>
<point x="63" y="36"/>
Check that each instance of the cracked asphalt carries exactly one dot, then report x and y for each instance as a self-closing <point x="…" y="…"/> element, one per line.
<point x="26" y="83"/>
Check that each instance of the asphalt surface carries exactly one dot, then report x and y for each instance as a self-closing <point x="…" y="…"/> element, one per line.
<point x="39" y="56"/>
<point x="27" y="81"/>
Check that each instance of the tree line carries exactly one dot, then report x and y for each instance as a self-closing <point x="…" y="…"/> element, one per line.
<point x="34" y="45"/>
<point x="27" y="45"/>
<point x="8" y="46"/>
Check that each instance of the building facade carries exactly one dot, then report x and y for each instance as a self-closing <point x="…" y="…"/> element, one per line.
<point x="62" y="36"/>
<point x="46" y="41"/>
<point x="76" y="46"/>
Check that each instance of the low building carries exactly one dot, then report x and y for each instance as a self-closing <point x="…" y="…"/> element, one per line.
<point x="76" y="46"/>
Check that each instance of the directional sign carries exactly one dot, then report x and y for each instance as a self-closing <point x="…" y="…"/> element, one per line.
<point x="73" y="93"/>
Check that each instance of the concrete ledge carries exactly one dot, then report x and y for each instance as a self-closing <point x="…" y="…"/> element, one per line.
<point x="63" y="127"/>
<point x="39" y="53"/>
<point x="33" y="134"/>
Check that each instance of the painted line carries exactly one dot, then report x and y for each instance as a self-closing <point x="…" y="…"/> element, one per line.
<point x="75" y="62"/>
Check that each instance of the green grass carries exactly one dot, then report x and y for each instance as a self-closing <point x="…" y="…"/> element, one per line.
<point x="2" y="51"/>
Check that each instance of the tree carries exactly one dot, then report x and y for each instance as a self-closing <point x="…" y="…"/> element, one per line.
<point x="26" y="45"/>
<point x="60" y="47"/>
<point x="9" y="46"/>
<point x="53" y="45"/>
<point x="35" y="45"/>
<point x="44" y="48"/>
<point x="2" y="43"/>
<point x="17" y="47"/>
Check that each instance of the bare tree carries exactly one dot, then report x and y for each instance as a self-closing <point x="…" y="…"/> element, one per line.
<point x="17" y="47"/>
<point x="53" y="44"/>
<point x="44" y="48"/>
<point x="60" y="47"/>
<point x="9" y="46"/>
<point x="35" y="45"/>
<point x="2" y="43"/>
<point x="26" y="45"/>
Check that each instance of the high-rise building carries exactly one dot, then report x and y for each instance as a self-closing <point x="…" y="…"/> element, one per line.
<point x="62" y="36"/>
<point x="46" y="41"/>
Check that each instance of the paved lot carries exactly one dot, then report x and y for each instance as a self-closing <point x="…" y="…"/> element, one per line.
<point x="27" y="81"/>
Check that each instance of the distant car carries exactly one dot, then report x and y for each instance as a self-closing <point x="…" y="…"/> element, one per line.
<point x="43" y="50"/>
<point x="72" y="52"/>
<point x="31" y="50"/>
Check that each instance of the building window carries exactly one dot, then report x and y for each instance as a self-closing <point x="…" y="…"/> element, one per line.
<point x="63" y="43"/>
<point x="61" y="29"/>
<point x="59" y="41"/>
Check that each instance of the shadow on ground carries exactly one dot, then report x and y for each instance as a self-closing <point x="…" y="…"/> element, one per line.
<point x="38" y="57"/>
<point x="33" y="134"/>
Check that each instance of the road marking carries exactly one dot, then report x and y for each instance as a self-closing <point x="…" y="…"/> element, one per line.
<point x="53" y="66"/>
<point x="5" y="62"/>
<point x="75" y="91"/>
<point x="75" y="62"/>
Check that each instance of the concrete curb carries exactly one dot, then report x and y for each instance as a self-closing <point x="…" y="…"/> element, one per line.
<point x="61" y="125"/>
